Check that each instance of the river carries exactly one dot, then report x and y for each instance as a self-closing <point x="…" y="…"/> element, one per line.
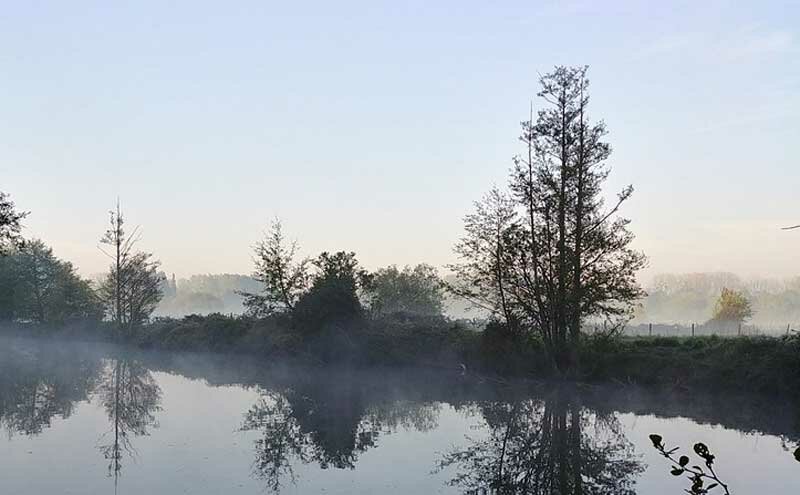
<point x="79" y="418"/>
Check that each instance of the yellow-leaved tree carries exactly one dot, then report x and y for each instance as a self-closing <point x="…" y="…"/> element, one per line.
<point x="732" y="306"/>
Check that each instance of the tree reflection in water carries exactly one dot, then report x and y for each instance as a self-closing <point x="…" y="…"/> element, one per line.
<point x="550" y="446"/>
<point x="534" y="441"/>
<point x="282" y="442"/>
<point x="42" y="382"/>
<point x="39" y="384"/>
<point x="330" y="425"/>
<point x="130" y="397"/>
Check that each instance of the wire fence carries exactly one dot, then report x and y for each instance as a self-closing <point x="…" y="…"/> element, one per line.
<point x="705" y="329"/>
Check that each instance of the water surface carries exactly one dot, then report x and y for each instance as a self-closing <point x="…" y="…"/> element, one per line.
<point x="81" y="418"/>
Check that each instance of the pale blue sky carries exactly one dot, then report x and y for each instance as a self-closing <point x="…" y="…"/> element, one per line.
<point x="372" y="126"/>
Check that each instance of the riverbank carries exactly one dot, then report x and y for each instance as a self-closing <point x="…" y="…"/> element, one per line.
<point x="769" y="365"/>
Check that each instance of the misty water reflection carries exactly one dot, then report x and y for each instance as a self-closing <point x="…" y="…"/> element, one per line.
<point x="207" y="425"/>
<point x="329" y="424"/>
<point x="38" y="384"/>
<point x="551" y="445"/>
<point x="130" y="397"/>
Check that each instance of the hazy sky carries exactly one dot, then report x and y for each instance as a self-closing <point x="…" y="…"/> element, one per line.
<point x="372" y="126"/>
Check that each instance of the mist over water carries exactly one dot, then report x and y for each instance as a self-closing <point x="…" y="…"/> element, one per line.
<point x="87" y="418"/>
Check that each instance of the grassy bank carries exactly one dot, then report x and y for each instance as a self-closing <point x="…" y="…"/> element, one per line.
<point x="763" y="364"/>
<point x="759" y="363"/>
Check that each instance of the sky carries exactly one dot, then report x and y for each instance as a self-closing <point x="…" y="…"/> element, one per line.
<point x="373" y="126"/>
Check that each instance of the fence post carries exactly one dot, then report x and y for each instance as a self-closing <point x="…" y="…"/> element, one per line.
<point x="651" y="329"/>
<point x="787" y="328"/>
<point x="692" y="329"/>
<point x="740" y="329"/>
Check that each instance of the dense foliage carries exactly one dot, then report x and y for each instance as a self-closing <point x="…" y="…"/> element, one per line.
<point x="732" y="306"/>
<point x="332" y="290"/>
<point x="41" y="288"/>
<point x="410" y="291"/>
<point x="332" y="297"/>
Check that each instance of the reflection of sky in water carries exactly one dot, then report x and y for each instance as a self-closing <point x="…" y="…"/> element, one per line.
<point x="198" y="446"/>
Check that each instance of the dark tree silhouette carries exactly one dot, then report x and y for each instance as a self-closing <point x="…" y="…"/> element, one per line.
<point x="285" y="277"/>
<point x="555" y="254"/>
<point x="10" y="224"/>
<point x="333" y="295"/>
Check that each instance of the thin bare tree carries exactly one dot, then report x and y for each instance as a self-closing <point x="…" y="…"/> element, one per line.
<point x="133" y="286"/>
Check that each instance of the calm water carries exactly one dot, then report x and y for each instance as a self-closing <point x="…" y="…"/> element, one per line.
<point x="86" y="419"/>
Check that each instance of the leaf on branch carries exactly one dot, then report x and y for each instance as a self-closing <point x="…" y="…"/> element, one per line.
<point x="656" y="439"/>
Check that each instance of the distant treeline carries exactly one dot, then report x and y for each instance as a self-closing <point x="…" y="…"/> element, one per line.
<point x="691" y="298"/>
<point x="221" y="293"/>
<point x="672" y="299"/>
<point x="205" y="294"/>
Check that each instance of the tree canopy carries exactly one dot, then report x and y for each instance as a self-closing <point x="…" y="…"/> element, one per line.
<point x="333" y="295"/>
<point x="732" y="306"/>
<point x="42" y="288"/>
<point x="283" y="274"/>
<point x="134" y="285"/>
<point x="411" y="291"/>
<point x="10" y="224"/>
<point x="550" y="252"/>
